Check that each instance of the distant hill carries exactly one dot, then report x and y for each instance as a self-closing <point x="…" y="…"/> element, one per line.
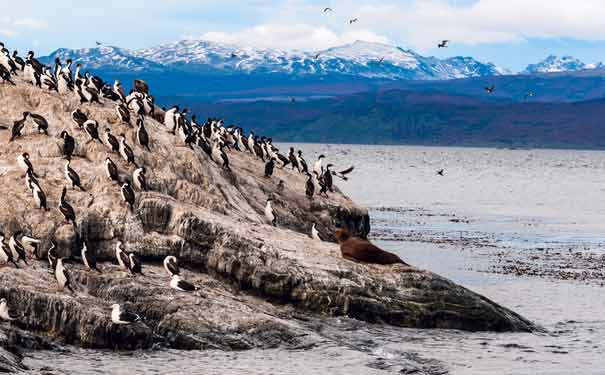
<point x="404" y="117"/>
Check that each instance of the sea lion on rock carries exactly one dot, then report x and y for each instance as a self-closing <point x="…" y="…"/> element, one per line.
<point x="359" y="250"/>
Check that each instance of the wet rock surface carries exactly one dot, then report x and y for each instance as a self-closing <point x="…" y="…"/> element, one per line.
<point x="254" y="278"/>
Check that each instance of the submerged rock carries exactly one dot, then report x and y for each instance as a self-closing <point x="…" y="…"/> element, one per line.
<point x="254" y="278"/>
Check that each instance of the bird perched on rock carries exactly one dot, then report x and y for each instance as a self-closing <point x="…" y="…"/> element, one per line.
<point x="361" y="250"/>
<point x="128" y="195"/>
<point x="125" y="150"/>
<point x="52" y="256"/>
<point x="269" y="168"/>
<point x="66" y="209"/>
<point x="4" y="312"/>
<point x="111" y="141"/>
<point x="40" y="122"/>
<point x="88" y="258"/>
<point x="111" y="170"/>
<point x="120" y="316"/>
<point x="134" y="265"/>
<point x="39" y="196"/>
<point x="177" y="283"/>
<point x="17" y="248"/>
<point x="309" y="186"/>
<point x="6" y="255"/>
<point x="25" y="164"/>
<point x="142" y="135"/>
<point x="315" y="233"/>
<point x="69" y="145"/>
<point x="72" y="176"/>
<point x="62" y="276"/>
<point x="139" y="179"/>
<point x="122" y="257"/>
<point x="269" y="214"/>
<point x="92" y="128"/>
<point x="18" y="126"/>
<point x="79" y="118"/>
<point x="171" y="265"/>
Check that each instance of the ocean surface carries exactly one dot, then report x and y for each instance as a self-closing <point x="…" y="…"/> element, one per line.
<point x="522" y="227"/>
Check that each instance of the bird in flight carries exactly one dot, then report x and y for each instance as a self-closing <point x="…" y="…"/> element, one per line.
<point x="529" y="95"/>
<point x="326" y="10"/>
<point x="233" y="56"/>
<point x="353" y="21"/>
<point x="381" y="60"/>
<point x="99" y="43"/>
<point x="490" y="89"/>
<point x="317" y="56"/>
<point x="443" y="44"/>
<point x="440" y="172"/>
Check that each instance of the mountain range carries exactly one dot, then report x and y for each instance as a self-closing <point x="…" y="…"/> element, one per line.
<point x="358" y="59"/>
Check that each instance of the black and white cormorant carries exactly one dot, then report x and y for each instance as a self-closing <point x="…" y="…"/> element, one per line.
<point x="40" y="122"/>
<point x="66" y="209"/>
<point x="111" y="141"/>
<point x="72" y="176"/>
<point x="62" y="276"/>
<point x="18" y="127"/>
<point x="309" y="186"/>
<point x="139" y="179"/>
<point x="177" y="283"/>
<point x="126" y="151"/>
<point x="142" y="135"/>
<point x="128" y="194"/>
<point x="79" y="118"/>
<point x="111" y="170"/>
<point x="25" y="164"/>
<point x="134" y="265"/>
<point x="171" y="265"/>
<point x="120" y="316"/>
<point x="17" y="248"/>
<point x="269" y="168"/>
<point x="122" y="256"/>
<point x="6" y="255"/>
<point x="88" y="258"/>
<point x="52" y="256"/>
<point x="92" y="129"/>
<point x="69" y="145"/>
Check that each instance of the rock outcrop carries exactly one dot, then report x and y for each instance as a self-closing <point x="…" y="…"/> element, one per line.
<point x="255" y="279"/>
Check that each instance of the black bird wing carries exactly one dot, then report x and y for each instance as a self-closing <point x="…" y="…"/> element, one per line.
<point x="68" y="211"/>
<point x="113" y="142"/>
<point x="68" y="146"/>
<point x="73" y="176"/>
<point x="347" y="171"/>
<point x="126" y="316"/>
<point x="173" y="267"/>
<point x="125" y="259"/>
<point x="128" y="194"/>
<point x="185" y="285"/>
<point x="113" y="171"/>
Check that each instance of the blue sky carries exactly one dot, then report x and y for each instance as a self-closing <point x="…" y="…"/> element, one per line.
<point x="510" y="33"/>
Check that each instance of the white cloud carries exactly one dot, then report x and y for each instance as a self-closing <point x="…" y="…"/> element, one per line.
<point x="30" y="23"/>
<point x="298" y="24"/>
<point x="295" y="36"/>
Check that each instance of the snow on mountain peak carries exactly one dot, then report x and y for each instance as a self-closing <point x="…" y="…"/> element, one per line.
<point x="556" y="64"/>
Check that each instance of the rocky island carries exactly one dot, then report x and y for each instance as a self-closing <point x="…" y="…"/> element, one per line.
<point x="258" y="283"/>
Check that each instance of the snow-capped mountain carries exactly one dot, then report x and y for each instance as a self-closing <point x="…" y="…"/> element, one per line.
<point x="105" y="58"/>
<point x="556" y="64"/>
<point x="359" y="59"/>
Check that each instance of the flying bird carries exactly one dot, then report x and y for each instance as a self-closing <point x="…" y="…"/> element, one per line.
<point x="99" y="43"/>
<point x="490" y="89"/>
<point x="353" y="21"/>
<point x="326" y="10"/>
<point x="529" y="95"/>
<point x="381" y="60"/>
<point x="440" y="172"/>
<point x="443" y="44"/>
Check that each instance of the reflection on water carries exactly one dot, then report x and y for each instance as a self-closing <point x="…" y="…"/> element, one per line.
<point x="488" y="199"/>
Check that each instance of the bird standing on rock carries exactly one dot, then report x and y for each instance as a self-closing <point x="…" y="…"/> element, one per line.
<point x="18" y="127"/>
<point x="139" y="179"/>
<point x="269" y="214"/>
<point x="269" y="168"/>
<point x="177" y="283"/>
<point x="111" y="170"/>
<point x="122" y="257"/>
<point x="88" y="259"/>
<point x="40" y="122"/>
<point x="72" y="176"/>
<point x="17" y="248"/>
<point x="171" y="265"/>
<point x="25" y="164"/>
<point x="52" y="256"/>
<point x="128" y="195"/>
<point x="79" y="118"/>
<point x="92" y="128"/>
<point x="4" y="313"/>
<point x="135" y="265"/>
<point x="125" y="150"/>
<point x="6" y="255"/>
<point x="62" y="276"/>
<point x="69" y="145"/>
<point x="66" y="209"/>
<point x="121" y="316"/>
<point x="111" y="141"/>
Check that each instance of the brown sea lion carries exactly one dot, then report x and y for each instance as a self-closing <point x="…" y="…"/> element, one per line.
<point x="359" y="250"/>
